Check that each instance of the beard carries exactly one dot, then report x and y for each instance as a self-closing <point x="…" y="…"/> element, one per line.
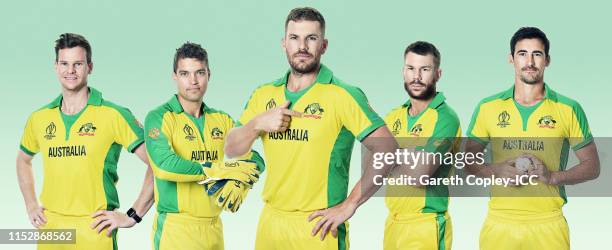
<point x="304" y="68"/>
<point x="531" y="79"/>
<point x="430" y="90"/>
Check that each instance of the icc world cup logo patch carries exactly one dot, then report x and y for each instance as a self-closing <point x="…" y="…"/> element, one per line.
<point x="50" y="131"/>
<point x="188" y="132"/>
<point x="397" y="127"/>
<point x="503" y="119"/>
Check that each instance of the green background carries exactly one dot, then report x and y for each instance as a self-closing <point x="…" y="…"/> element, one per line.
<point x="134" y="41"/>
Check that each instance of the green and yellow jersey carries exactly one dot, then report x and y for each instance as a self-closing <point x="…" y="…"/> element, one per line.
<point x="546" y="130"/>
<point x="435" y="129"/>
<point x="177" y="143"/>
<point x="309" y="162"/>
<point x="80" y="153"/>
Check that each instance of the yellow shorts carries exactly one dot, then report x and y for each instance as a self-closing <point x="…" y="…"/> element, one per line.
<point x="418" y="231"/>
<point x="281" y="230"/>
<point x="541" y="232"/>
<point x="86" y="238"/>
<point x="185" y="232"/>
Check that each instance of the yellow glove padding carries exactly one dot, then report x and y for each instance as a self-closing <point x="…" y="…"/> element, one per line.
<point x="228" y="194"/>
<point x="242" y="171"/>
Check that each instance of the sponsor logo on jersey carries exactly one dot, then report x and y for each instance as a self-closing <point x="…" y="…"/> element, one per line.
<point x="397" y="127"/>
<point x="547" y="121"/>
<point x="67" y="151"/>
<point x="290" y="135"/>
<point x="50" y="131"/>
<point x="188" y="133"/>
<point x="87" y="129"/>
<point x="503" y="119"/>
<point x="416" y="130"/>
<point x="204" y="155"/>
<point x="216" y="134"/>
<point x="271" y="104"/>
<point x="313" y="110"/>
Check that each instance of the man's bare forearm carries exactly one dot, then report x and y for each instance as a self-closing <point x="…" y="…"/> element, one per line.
<point x="240" y="140"/>
<point x="25" y="177"/>
<point x="587" y="169"/>
<point x="146" y="198"/>
<point x="380" y="141"/>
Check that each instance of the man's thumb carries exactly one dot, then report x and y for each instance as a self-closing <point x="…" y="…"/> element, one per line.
<point x="286" y="104"/>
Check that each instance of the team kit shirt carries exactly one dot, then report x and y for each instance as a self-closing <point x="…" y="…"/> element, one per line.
<point x="436" y="129"/>
<point x="309" y="162"/>
<point x="547" y="130"/>
<point x="80" y="153"/>
<point x="177" y="143"/>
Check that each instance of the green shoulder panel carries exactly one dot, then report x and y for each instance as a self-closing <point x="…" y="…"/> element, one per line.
<point x="131" y="120"/>
<point x="477" y="112"/>
<point x="362" y="101"/>
<point x="580" y="118"/>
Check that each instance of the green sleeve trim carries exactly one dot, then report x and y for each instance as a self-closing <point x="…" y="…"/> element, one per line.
<point x="160" y="151"/>
<point x="135" y="145"/>
<point x="582" y="144"/>
<point x="25" y="150"/>
<point x="375" y="124"/>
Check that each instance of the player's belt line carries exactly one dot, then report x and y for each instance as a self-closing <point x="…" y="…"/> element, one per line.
<point x="67" y="216"/>
<point x="183" y="218"/>
<point x="529" y="218"/>
<point x="299" y="214"/>
<point x="415" y="217"/>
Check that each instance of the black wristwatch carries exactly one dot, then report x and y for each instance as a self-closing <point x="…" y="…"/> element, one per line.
<point x="132" y="214"/>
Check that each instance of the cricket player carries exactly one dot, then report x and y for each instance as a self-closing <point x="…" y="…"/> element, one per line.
<point x="185" y="139"/>
<point x="80" y="135"/>
<point x="418" y="217"/>
<point x="530" y="120"/>
<point x="308" y="121"/>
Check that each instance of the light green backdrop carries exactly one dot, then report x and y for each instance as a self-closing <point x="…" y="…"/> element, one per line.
<point x="133" y="44"/>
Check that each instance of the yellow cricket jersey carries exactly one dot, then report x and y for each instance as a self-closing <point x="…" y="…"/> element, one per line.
<point x="80" y="153"/>
<point x="435" y="129"/>
<point x="309" y="162"/>
<point x="546" y="130"/>
<point x="176" y="144"/>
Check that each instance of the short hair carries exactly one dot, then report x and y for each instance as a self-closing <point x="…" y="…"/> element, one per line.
<point x="190" y="50"/>
<point x="529" y="33"/>
<point x="71" y="40"/>
<point x="306" y="13"/>
<point x="424" y="48"/>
